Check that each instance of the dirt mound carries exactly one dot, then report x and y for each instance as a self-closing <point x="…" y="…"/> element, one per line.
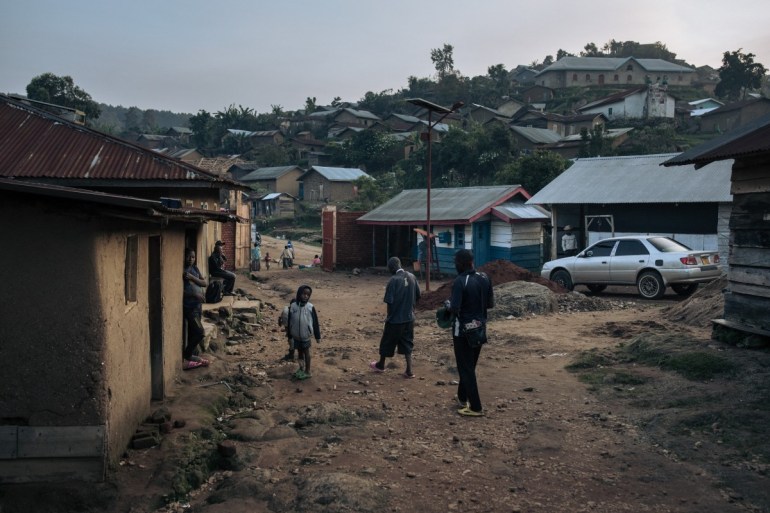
<point x="499" y="271"/>
<point x="706" y="304"/>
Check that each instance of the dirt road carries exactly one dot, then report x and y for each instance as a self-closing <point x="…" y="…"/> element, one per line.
<point x="348" y="440"/>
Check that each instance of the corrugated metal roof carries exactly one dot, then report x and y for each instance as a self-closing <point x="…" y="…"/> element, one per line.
<point x="37" y="145"/>
<point x="635" y="179"/>
<point x="337" y="174"/>
<point x="611" y="64"/>
<point x="537" y="135"/>
<point x="518" y="212"/>
<point x="461" y="205"/>
<point x="753" y="138"/>
<point x="267" y="173"/>
<point x="614" y="98"/>
<point x="145" y="207"/>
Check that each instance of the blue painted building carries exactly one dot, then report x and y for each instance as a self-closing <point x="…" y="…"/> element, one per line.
<point x="492" y="221"/>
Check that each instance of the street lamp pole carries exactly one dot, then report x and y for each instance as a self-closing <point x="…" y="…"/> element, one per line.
<point x="431" y="107"/>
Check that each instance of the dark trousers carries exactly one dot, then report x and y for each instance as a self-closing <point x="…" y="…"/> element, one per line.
<point x="227" y="277"/>
<point x="467" y="358"/>
<point x="195" y="333"/>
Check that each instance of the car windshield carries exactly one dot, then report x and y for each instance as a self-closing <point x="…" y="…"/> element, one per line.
<point x="666" y="245"/>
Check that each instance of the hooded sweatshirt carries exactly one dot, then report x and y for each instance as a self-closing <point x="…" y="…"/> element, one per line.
<point x="303" y="319"/>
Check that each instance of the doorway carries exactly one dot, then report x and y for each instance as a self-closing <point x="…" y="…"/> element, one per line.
<point x="155" y="313"/>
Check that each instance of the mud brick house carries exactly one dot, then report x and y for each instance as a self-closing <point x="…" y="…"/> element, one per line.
<point x="329" y="184"/>
<point x="733" y="115"/>
<point x="94" y="332"/>
<point x="610" y="196"/>
<point x="747" y="297"/>
<point x="42" y="148"/>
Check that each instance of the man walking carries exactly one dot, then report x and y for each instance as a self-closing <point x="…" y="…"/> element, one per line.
<point x="401" y="294"/>
<point x="471" y="297"/>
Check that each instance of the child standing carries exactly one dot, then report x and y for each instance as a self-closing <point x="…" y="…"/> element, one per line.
<point x="302" y="324"/>
<point x="267" y="260"/>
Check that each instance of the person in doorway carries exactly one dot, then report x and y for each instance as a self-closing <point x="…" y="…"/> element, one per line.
<point x="569" y="242"/>
<point x="401" y="294"/>
<point x="471" y="297"/>
<point x="217" y="268"/>
<point x="192" y="300"/>
<point x="301" y="326"/>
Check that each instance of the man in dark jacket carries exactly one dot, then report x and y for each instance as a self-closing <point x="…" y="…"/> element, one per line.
<point x="471" y="297"/>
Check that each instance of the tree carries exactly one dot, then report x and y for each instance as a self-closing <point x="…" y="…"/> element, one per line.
<point x="310" y="105"/>
<point x="201" y="125"/>
<point x="443" y="60"/>
<point x="534" y="171"/>
<point x="132" y="120"/>
<point x="738" y="75"/>
<point x="62" y="91"/>
<point x="560" y="54"/>
<point x="590" y="50"/>
<point x="594" y="143"/>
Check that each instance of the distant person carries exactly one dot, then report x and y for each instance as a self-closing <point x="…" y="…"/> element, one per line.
<point x="217" y="268"/>
<point x="301" y="327"/>
<point x="267" y="260"/>
<point x="192" y="299"/>
<point x="285" y="257"/>
<point x="257" y="239"/>
<point x="256" y="257"/>
<point x="569" y="242"/>
<point x="401" y="294"/>
<point x="316" y="261"/>
<point x="471" y="297"/>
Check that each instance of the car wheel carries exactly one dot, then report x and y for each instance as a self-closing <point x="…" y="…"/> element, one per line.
<point x="595" y="289"/>
<point x="685" y="289"/>
<point x="562" y="278"/>
<point x="650" y="285"/>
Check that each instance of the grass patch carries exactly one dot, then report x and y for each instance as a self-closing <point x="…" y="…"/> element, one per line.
<point x="669" y="353"/>
<point x="591" y="359"/>
<point x="699" y="366"/>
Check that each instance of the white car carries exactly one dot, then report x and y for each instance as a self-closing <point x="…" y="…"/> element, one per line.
<point x="650" y="262"/>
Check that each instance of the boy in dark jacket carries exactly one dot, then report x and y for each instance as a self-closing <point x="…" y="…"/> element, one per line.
<point x="302" y="324"/>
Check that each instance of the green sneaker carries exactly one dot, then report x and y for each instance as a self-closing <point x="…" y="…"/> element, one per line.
<point x="467" y="412"/>
<point x="300" y="374"/>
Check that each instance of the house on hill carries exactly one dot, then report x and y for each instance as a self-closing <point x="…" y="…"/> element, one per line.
<point x="94" y="332"/>
<point x="643" y="102"/>
<point x="611" y="196"/>
<point x="329" y="184"/>
<point x="747" y="297"/>
<point x="733" y="115"/>
<point x="492" y="221"/>
<point x="275" y="179"/>
<point x="606" y="71"/>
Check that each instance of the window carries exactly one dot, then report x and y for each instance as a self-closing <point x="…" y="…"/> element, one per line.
<point x="588" y="77"/>
<point x="132" y="252"/>
<point x="574" y="77"/>
<point x="631" y="247"/>
<point x="601" y="249"/>
<point x="609" y="111"/>
<point x="630" y="78"/>
<point x="630" y="67"/>
<point x="679" y="78"/>
<point x="616" y="78"/>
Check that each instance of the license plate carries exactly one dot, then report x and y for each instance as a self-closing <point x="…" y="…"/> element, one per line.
<point x="704" y="259"/>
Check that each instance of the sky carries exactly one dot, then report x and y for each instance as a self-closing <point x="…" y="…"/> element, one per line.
<point x="185" y="56"/>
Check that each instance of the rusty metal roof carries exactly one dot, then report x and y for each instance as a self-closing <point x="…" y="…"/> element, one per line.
<point x="39" y="146"/>
<point x="147" y="208"/>
<point x="748" y="140"/>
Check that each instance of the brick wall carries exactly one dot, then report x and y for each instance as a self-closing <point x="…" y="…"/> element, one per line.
<point x="354" y="241"/>
<point x="228" y="237"/>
